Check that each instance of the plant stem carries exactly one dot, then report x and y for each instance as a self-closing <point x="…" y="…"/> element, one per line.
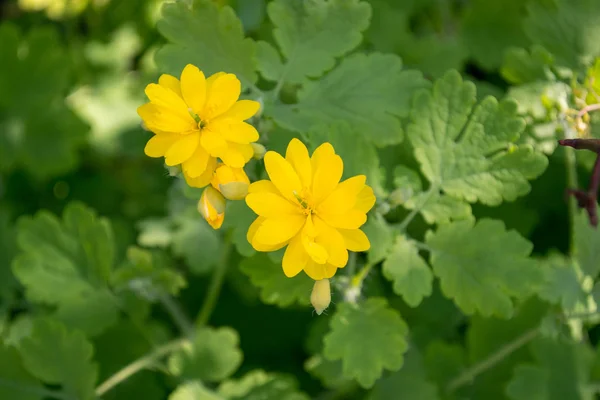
<point x="138" y="365"/>
<point x="210" y="301"/>
<point x="408" y="219"/>
<point x="181" y="320"/>
<point x="358" y="279"/>
<point x="34" y="390"/>
<point x="493" y="359"/>
<point x="587" y="109"/>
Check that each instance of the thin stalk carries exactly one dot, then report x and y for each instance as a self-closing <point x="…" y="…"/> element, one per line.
<point x="358" y="279"/>
<point x="408" y="219"/>
<point x="210" y="301"/>
<point x="35" y="390"/>
<point x="493" y="359"/>
<point x="140" y="364"/>
<point x="181" y="320"/>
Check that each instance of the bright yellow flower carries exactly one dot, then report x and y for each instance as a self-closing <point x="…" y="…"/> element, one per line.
<point x="212" y="207"/>
<point x="231" y="182"/>
<point x="306" y="208"/>
<point x="198" y="120"/>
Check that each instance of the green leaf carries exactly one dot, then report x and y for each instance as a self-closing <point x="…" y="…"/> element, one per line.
<point x="198" y="243"/>
<point x="482" y="266"/>
<point x="213" y="355"/>
<point x="75" y="255"/>
<point x="7" y="252"/>
<point x="381" y="236"/>
<point x="193" y="390"/>
<point x="269" y="61"/>
<point x="368" y="338"/>
<point x="568" y="29"/>
<point x="521" y="66"/>
<point x="444" y="362"/>
<point x="49" y="342"/>
<point x="328" y="372"/>
<point x="586" y="243"/>
<point x="561" y="285"/>
<point x="39" y="132"/>
<point x="469" y="153"/>
<point x="439" y="208"/>
<point x="148" y="274"/>
<point x="259" y="385"/>
<point x="275" y="287"/>
<point x="312" y="34"/>
<point x="410" y="274"/>
<point x="409" y="383"/>
<point x="490" y="27"/>
<point x="561" y="372"/>
<point x="238" y="218"/>
<point x="15" y="382"/>
<point x="206" y="36"/>
<point x="369" y="92"/>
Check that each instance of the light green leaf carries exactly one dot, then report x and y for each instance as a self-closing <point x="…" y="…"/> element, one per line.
<point x="409" y="383"/>
<point x="193" y="390"/>
<point x="522" y="66"/>
<point x="561" y="372"/>
<point x="39" y="132"/>
<point x="213" y="355"/>
<point x="439" y="208"/>
<point x="410" y="274"/>
<point x="468" y="152"/>
<point x="311" y="34"/>
<point x="206" y="36"/>
<point x="75" y="255"/>
<point x="275" y="287"/>
<point x="586" y="242"/>
<point x="379" y="93"/>
<point x="148" y="274"/>
<point x="482" y="266"/>
<point x="561" y="285"/>
<point x="368" y="338"/>
<point x="444" y="362"/>
<point x="49" y="342"/>
<point x="259" y="385"/>
<point x="15" y="382"/>
<point x="238" y="218"/>
<point x="269" y="61"/>
<point x="198" y="243"/>
<point x="381" y="235"/>
<point x="568" y="29"/>
<point x="490" y="27"/>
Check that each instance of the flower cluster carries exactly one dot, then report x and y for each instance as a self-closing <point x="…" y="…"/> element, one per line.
<point x="199" y="124"/>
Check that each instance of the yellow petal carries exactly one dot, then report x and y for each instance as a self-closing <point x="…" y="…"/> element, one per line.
<point x="252" y="233"/>
<point x="271" y="205"/>
<point x="279" y="230"/>
<point x="282" y="175"/>
<point x="182" y="149"/>
<point x="245" y="150"/>
<point x="158" y="145"/>
<point x="315" y="251"/>
<point x="213" y="142"/>
<point x="170" y="82"/>
<point x="353" y="219"/>
<point x="158" y="118"/>
<point x="263" y="186"/>
<point x="242" y="110"/>
<point x="197" y="163"/>
<point x="234" y="131"/>
<point x="333" y="242"/>
<point x="168" y="99"/>
<point x="325" y="149"/>
<point x="222" y="94"/>
<point x="295" y="258"/>
<point x="326" y="176"/>
<point x="365" y="200"/>
<point x="355" y="239"/>
<point x="297" y="155"/>
<point x="193" y="88"/>
<point x="319" y="271"/>
<point x="205" y="178"/>
<point x="343" y="198"/>
<point x="212" y="207"/>
<point x="233" y="157"/>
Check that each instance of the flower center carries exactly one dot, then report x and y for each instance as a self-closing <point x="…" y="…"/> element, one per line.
<point x="201" y="123"/>
<point x="305" y="203"/>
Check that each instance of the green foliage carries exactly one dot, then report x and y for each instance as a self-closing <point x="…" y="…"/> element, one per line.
<point x="213" y="355"/>
<point x="367" y="338"/>
<point x="13" y="376"/>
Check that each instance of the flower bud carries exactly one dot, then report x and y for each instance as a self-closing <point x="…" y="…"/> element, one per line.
<point x="212" y="207"/>
<point x="321" y="295"/>
<point x="233" y="183"/>
<point x="259" y="150"/>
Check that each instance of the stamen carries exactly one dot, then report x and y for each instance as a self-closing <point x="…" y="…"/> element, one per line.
<point x="302" y="202"/>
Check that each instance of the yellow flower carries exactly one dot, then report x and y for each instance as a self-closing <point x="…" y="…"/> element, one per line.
<point x="212" y="207"/>
<point x="306" y="208"/>
<point x="197" y="120"/>
<point x="231" y="182"/>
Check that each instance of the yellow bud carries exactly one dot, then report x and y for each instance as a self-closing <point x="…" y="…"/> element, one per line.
<point x="321" y="295"/>
<point x="233" y="183"/>
<point x="259" y="150"/>
<point x="212" y="207"/>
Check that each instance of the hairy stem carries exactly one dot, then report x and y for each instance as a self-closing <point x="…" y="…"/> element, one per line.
<point x="141" y="363"/>
<point x="493" y="359"/>
<point x="210" y="301"/>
